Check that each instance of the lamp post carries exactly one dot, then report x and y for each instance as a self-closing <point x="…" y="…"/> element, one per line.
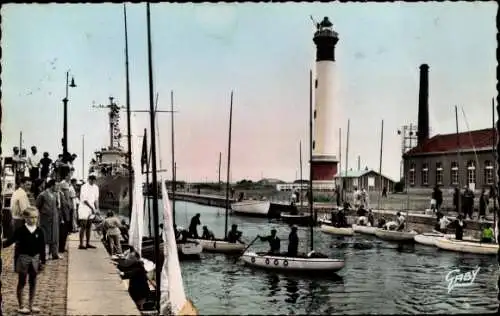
<point x="65" y="119"/>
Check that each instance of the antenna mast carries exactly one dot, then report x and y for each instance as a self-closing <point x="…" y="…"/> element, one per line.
<point x="114" y="122"/>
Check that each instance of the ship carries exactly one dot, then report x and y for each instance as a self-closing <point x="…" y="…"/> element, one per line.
<point x="111" y="167"/>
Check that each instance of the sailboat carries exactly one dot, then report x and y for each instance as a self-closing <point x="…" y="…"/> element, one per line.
<point x="310" y="262"/>
<point x="170" y="295"/>
<point x="297" y="218"/>
<point x="222" y="245"/>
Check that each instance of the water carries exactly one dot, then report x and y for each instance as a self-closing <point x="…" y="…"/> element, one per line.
<point x="386" y="279"/>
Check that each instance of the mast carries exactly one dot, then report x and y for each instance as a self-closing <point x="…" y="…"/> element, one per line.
<point x="129" y="129"/>
<point x="339" y="172"/>
<point x="220" y="156"/>
<point x="153" y="154"/>
<point x="146" y="199"/>
<point x="173" y="153"/>
<point x="114" y="122"/>
<point x="380" y="162"/>
<point x="311" y="199"/>
<point x="459" y="202"/>
<point x="83" y="157"/>
<point x="347" y="146"/>
<point x="300" y="162"/>
<point x="228" y="163"/>
<point x="494" y="167"/>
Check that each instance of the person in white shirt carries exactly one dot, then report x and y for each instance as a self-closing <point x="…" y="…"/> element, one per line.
<point x="34" y="164"/>
<point x="89" y="205"/>
<point x="20" y="202"/>
<point x="72" y="193"/>
<point x="356" y="197"/>
<point x="401" y="221"/>
<point x="443" y="223"/>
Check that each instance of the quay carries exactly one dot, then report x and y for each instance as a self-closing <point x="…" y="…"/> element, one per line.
<point x="83" y="282"/>
<point x="417" y="218"/>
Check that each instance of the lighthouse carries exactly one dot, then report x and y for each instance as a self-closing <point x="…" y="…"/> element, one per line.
<point x="326" y="111"/>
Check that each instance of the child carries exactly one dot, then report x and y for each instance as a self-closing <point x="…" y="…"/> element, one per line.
<point x="30" y="245"/>
<point x="112" y="227"/>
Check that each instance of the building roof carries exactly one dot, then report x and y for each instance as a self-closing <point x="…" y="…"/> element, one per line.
<point x="358" y="174"/>
<point x="478" y="139"/>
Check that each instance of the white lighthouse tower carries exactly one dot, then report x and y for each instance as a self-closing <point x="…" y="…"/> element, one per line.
<point x="326" y="112"/>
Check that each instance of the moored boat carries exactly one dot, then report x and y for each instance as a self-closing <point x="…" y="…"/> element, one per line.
<point x="298" y="219"/>
<point x="394" y="235"/>
<point x="220" y="246"/>
<point x="301" y="263"/>
<point x="332" y="230"/>
<point x="429" y="239"/>
<point x="369" y="230"/>
<point x="251" y="208"/>
<point x="467" y="246"/>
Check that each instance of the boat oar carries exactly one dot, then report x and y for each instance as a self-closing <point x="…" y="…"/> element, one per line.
<point x="250" y="244"/>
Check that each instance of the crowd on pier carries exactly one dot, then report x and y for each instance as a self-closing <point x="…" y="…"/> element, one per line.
<point x="45" y="209"/>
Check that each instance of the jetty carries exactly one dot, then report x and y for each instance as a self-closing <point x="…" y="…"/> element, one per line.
<point x="83" y="282"/>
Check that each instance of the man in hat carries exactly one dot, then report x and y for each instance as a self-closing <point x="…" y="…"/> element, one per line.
<point x="293" y="242"/>
<point x="234" y="235"/>
<point x="274" y="242"/>
<point x="89" y="205"/>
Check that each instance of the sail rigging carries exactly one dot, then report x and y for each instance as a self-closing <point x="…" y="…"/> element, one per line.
<point x="136" y="230"/>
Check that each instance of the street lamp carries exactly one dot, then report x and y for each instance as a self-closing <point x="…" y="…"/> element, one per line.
<point x="65" y="119"/>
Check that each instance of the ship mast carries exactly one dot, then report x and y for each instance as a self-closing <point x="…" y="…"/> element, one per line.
<point x="114" y="123"/>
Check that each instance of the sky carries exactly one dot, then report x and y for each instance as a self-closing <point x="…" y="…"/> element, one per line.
<point x="263" y="52"/>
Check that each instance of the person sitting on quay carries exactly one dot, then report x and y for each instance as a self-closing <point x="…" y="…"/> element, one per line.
<point x="193" y="226"/>
<point x="401" y="221"/>
<point x="274" y="242"/>
<point x="293" y="242"/>
<point x="487" y="234"/>
<point x="30" y="245"/>
<point x="234" y="235"/>
<point x="207" y="234"/>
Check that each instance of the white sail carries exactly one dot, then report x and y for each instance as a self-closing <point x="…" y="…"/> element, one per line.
<point x="173" y="298"/>
<point x="136" y="230"/>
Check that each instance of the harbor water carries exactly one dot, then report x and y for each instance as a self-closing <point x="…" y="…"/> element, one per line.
<point x="385" y="279"/>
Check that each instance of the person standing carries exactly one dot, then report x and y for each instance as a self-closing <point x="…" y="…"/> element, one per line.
<point x="49" y="217"/>
<point x="483" y="204"/>
<point x="34" y="164"/>
<point x="65" y="210"/>
<point x="30" y="242"/>
<point x="293" y="242"/>
<point x="20" y="202"/>
<point x="193" y="226"/>
<point x="45" y="164"/>
<point x="74" y="201"/>
<point x="89" y="205"/>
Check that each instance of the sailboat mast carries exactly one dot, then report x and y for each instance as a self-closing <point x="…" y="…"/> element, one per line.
<point x="153" y="162"/>
<point x="146" y="199"/>
<point x="173" y="153"/>
<point x="218" y="184"/>
<point x="228" y="163"/>
<point x="494" y="152"/>
<point x="311" y="199"/>
<point x="300" y="162"/>
<point x="380" y="162"/>
<point x="459" y="202"/>
<point x="129" y="129"/>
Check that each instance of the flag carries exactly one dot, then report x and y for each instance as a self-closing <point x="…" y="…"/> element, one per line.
<point x="144" y="155"/>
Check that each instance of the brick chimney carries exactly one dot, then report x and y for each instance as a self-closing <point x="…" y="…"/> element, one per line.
<point x="423" y="105"/>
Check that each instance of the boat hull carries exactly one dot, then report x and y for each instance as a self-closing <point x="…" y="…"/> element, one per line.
<point x="251" y="208"/>
<point x="368" y="230"/>
<point x="392" y="235"/>
<point x="429" y="239"/>
<point x="475" y="247"/>
<point x="220" y="246"/>
<point x="185" y="250"/>
<point x="283" y="263"/>
<point x="113" y="193"/>
<point x="298" y="219"/>
<point x="332" y="230"/>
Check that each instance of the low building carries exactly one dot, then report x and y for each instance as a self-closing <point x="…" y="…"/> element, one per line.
<point x="367" y="179"/>
<point x="296" y="185"/>
<point x="453" y="160"/>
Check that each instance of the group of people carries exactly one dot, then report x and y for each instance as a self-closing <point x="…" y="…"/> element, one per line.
<point x="233" y="236"/>
<point x="40" y="231"/>
<point x="463" y="201"/>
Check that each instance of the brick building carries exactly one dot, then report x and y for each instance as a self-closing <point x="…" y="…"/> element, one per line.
<point x="367" y="179"/>
<point x="435" y="161"/>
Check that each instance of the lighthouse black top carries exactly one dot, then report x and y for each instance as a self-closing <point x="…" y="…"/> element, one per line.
<point x="325" y="39"/>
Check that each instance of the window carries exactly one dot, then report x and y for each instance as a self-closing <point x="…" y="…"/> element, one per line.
<point x="439" y="173"/>
<point x="425" y="174"/>
<point x="411" y="174"/>
<point x="488" y="172"/>
<point x="454" y="173"/>
<point x="471" y="172"/>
